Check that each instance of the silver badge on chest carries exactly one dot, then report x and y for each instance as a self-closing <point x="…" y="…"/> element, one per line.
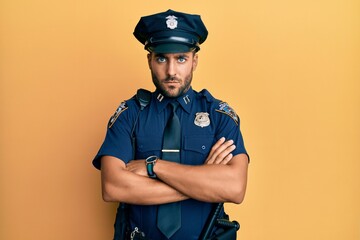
<point x="202" y="119"/>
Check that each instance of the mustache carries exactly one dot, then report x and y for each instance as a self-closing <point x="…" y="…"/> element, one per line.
<point x="171" y="78"/>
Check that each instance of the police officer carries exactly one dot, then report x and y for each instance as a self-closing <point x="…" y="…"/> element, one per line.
<point x="211" y="161"/>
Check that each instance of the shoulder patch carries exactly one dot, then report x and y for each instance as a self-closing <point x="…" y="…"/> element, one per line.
<point x="123" y="106"/>
<point x="226" y="109"/>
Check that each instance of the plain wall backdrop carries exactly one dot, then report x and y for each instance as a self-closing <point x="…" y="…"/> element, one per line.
<point x="290" y="69"/>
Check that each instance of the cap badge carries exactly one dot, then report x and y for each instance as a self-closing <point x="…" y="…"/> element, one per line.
<point x="171" y="22"/>
<point x="202" y="119"/>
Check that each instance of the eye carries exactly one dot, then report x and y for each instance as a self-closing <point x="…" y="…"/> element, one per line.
<point x="161" y="59"/>
<point x="181" y="59"/>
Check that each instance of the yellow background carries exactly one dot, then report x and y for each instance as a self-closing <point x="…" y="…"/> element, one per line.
<point x="291" y="69"/>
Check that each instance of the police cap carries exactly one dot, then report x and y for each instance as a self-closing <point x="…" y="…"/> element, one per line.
<point x="171" y="32"/>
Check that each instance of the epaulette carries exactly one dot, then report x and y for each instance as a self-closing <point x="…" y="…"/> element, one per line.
<point x="205" y="93"/>
<point x="142" y="97"/>
<point x="226" y="109"/>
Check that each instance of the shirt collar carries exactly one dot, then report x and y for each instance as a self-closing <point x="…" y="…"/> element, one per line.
<point x="185" y="100"/>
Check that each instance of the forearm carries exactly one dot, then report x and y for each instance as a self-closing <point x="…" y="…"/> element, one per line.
<point x="121" y="185"/>
<point x="209" y="182"/>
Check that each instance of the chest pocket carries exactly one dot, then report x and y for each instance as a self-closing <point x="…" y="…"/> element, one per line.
<point x="147" y="146"/>
<point x="197" y="148"/>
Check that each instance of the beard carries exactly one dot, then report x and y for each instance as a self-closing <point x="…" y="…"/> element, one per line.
<point x="169" y="91"/>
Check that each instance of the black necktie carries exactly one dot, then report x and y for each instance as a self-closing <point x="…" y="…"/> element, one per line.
<point x="169" y="215"/>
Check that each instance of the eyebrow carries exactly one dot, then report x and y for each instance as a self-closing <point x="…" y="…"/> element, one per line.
<point x="177" y="55"/>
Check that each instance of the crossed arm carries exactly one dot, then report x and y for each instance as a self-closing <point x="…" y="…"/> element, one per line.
<point x="221" y="179"/>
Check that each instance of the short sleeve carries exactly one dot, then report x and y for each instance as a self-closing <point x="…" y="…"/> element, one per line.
<point x="118" y="140"/>
<point x="229" y="127"/>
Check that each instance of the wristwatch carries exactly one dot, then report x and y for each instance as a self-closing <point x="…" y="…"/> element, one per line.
<point x="150" y="162"/>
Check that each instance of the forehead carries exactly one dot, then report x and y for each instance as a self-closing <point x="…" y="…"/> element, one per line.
<point x="173" y="55"/>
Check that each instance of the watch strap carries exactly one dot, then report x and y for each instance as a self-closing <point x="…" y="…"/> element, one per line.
<point x="150" y="162"/>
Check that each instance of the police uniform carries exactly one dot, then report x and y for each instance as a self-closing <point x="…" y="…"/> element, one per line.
<point x="204" y="120"/>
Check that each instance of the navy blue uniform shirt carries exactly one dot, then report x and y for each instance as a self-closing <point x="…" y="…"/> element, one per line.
<point x="204" y="120"/>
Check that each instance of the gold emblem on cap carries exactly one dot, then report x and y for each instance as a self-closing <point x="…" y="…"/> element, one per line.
<point x="171" y="22"/>
<point x="202" y="119"/>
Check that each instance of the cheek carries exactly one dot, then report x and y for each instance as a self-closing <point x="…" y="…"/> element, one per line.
<point x="188" y="69"/>
<point x="158" y="72"/>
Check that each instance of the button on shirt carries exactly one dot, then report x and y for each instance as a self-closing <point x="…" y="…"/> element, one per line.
<point x="196" y="143"/>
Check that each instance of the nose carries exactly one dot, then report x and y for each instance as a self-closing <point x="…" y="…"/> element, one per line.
<point x="171" y="68"/>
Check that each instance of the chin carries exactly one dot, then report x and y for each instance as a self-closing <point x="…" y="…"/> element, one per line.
<point x="171" y="93"/>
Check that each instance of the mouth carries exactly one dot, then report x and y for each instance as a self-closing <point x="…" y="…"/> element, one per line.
<point x="171" y="82"/>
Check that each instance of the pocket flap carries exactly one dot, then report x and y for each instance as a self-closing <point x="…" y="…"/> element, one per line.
<point x="145" y="144"/>
<point x="201" y="144"/>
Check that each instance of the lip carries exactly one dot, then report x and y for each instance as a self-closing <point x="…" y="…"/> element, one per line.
<point x="171" y="82"/>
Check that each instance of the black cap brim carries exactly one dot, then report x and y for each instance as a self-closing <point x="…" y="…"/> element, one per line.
<point x="171" y="48"/>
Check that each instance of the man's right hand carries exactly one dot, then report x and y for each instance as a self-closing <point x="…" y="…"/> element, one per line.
<point x="221" y="152"/>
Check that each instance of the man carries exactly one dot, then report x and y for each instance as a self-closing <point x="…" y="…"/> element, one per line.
<point x="170" y="174"/>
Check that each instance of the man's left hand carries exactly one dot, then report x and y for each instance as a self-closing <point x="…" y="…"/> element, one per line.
<point x="138" y="167"/>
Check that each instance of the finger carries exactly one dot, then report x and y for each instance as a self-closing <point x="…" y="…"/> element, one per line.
<point x="222" y="148"/>
<point x="227" y="159"/>
<point x="131" y="166"/>
<point x="210" y="157"/>
<point x="224" y="153"/>
<point x="220" y="152"/>
<point x="217" y="145"/>
<point x="218" y="149"/>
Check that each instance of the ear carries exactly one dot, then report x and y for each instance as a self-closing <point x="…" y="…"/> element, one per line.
<point x="195" y="61"/>
<point x="149" y="60"/>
